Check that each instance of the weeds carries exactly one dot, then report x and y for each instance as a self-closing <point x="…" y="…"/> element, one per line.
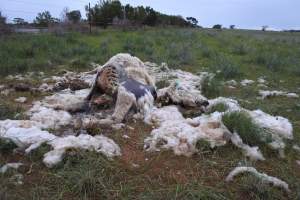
<point x="241" y="123"/>
<point x="256" y="189"/>
<point x="226" y="67"/>
<point x="240" y="49"/>
<point x="10" y="111"/>
<point x="210" y="87"/>
<point x="7" y="146"/>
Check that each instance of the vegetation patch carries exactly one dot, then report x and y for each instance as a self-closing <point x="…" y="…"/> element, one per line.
<point x="225" y="67"/>
<point x="241" y="123"/>
<point x="7" y="146"/>
<point x="211" y="87"/>
<point x="220" y="107"/>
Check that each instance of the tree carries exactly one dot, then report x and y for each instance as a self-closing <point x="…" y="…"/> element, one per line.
<point x="232" y="26"/>
<point x="44" y="19"/>
<point x="264" y="28"/>
<point x="74" y="16"/>
<point x="2" y="19"/>
<point x="217" y="26"/>
<point x="104" y="12"/>
<point x="19" y="21"/>
<point x="192" y="20"/>
<point x="150" y="17"/>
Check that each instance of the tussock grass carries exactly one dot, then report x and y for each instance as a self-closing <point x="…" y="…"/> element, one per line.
<point x="242" y="123"/>
<point x="227" y="68"/>
<point x="220" y="107"/>
<point x="6" y="146"/>
<point x="211" y="87"/>
<point x="241" y="49"/>
<point x="10" y="111"/>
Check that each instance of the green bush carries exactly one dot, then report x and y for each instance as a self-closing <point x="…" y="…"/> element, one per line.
<point x="227" y="68"/>
<point x="241" y="123"/>
<point x="210" y="88"/>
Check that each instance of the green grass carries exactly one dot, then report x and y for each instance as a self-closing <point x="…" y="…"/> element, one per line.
<point x="220" y="107"/>
<point x="241" y="123"/>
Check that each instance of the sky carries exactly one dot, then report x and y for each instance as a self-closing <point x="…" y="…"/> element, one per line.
<point x="247" y="14"/>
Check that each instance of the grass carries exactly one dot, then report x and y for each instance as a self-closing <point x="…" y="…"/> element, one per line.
<point x="220" y="107"/>
<point x="211" y="87"/>
<point x="7" y="146"/>
<point x="237" y="54"/>
<point x="241" y="123"/>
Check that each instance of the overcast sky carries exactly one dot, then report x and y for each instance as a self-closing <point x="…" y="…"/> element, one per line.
<point x="252" y="14"/>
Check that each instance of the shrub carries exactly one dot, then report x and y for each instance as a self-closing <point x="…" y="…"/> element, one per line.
<point x="241" y="123"/>
<point x="227" y="68"/>
<point x="179" y="54"/>
<point x="207" y="52"/>
<point x="240" y="49"/>
<point x="210" y="88"/>
<point x="271" y="61"/>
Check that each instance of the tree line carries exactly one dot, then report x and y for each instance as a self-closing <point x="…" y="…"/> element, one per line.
<point x="107" y="12"/>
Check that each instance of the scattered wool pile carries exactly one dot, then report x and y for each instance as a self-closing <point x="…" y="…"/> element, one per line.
<point x="66" y="100"/>
<point x="8" y="166"/>
<point x="21" y="99"/>
<point x="25" y="133"/>
<point x="232" y="82"/>
<point x="278" y="126"/>
<point x="261" y="80"/>
<point x="48" y="117"/>
<point x="177" y="93"/>
<point x="263" y="177"/>
<point x="2" y="87"/>
<point x="247" y="82"/>
<point x="265" y="94"/>
<point x="185" y="87"/>
<point x="171" y="130"/>
<point x="28" y="134"/>
<point x="97" y="143"/>
<point x="181" y="134"/>
<point x="174" y="132"/>
<point x="70" y="80"/>
<point x="252" y="152"/>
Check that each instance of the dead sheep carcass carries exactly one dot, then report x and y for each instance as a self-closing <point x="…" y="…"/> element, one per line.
<point x="126" y="79"/>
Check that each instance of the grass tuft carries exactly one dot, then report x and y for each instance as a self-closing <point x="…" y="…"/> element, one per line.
<point x="7" y="146"/>
<point x="210" y="87"/>
<point x="227" y="68"/>
<point x="220" y="107"/>
<point x="242" y="123"/>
